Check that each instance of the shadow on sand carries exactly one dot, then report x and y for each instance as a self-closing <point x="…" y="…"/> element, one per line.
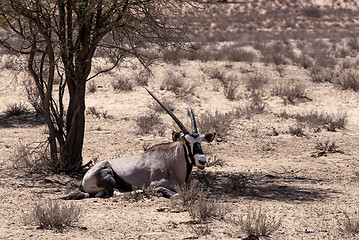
<point x="25" y="119"/>
<point x="223" y="185"/>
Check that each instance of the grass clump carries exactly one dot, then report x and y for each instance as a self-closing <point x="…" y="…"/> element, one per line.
<point x="317" y="119"/>
<point x="98" y="113"/>
<point x="324" y="148"/>
<point x="349" y="225"/>
<point x="54" y="215"/>
<point x="33" y="158"/>
<point x="291" y="93"/>
<point x="256" y="81"/>
<point x="217" y="122"/>
<point x="194" y="199"/>
<point x="16" y="109"/>
<point x="122" y="85"/>
<point x="349" y="79"/>
<point x="149" y="123"/>
<point x="257" y="223"/>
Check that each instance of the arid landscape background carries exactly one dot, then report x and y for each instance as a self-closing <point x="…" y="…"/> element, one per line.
<point x="277" y="80"/>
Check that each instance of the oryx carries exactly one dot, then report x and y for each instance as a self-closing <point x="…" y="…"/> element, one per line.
<point x="161" y="167"/>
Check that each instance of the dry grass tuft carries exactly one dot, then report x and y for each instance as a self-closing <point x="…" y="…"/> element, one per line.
<point x="54" y="215"/>
<point x="257" y="223"/>
<point x="122" y="85"/>
<point x="217" y="122"/>
<point x="16" y="109"/>
<point x="291" y="93"/>
<point x="33" y="158"/>
<point x="349" y="225"/>
<point x="149" y="124"/>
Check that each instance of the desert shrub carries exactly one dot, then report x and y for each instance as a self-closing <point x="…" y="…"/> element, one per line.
<point x="296" y="131"/>
<point x="256" y="81"/>
<point x="143" y="78"/>
<point x="320" y="74"/>
<point x="353" y="43"/>
<point x="174" y="83"/>
<point x="349" y="79"/>
<point x="231" y="89"/>
<point x="98" y="113"/>
<point x="215" y="161"/>
<point x="241" y="55"/>
<point x="33" y="97"/>
<point x="158" y="108"/>
<point x="257" y="223"/>
<point x="92" y="87"/>
<point x="16" y="109"/>
<point x="205" y="209"/>
<point x="33" y="158"/>
<point x="312" y="11"/>
<point x="149" y="123"/>
<point x="321" y="119"/>
<point x="255" y="106"/>
<point x="215" y="73"/>
<point x="54" y="215"/>
<point x="122" y="84"/>
<point x="324" y="148"/>
<point x="172" y="56"/>
<point x="349" y="225"/>
<point x="290" y="93"/>
<point x="217" y="122"/>
<point x="237" y="182"/>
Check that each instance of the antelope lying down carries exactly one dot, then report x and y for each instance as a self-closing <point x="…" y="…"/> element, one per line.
<point x="161" y="167"/>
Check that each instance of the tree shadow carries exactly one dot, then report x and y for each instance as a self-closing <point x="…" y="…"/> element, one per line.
<point x="25" y="119"/>
<point x="222" y="185"/>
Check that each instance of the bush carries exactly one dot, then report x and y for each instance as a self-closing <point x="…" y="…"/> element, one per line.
<point x="349" y="80"/>
<point x="290" y="93"/>
<point x="257" y="223"/>
<point x="322" y="119"/>
<point x="217" y="122"/>
<point x="55" y="215"/>
<point x="175" y="84"/>
<point x="311" y="11"/>
<point x="122" y="85"/>
<point x="16" y="109"/>
<point x="149" y="123"/>
<point x="33" y="158"/>
<point x="349" y="225"/>
<point x="256" y="81"/>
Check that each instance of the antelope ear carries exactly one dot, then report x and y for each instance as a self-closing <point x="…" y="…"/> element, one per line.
<point x="176" y="136"/>
<point x="209" y="137"/>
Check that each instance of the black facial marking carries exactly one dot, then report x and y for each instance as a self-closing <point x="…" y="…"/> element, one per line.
<point x="197" y="149"/>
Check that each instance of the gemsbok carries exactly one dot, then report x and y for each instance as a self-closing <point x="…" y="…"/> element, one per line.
<point x="162" y="167"/>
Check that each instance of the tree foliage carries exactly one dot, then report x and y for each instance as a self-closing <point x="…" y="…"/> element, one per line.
<point x="60" y="38"/>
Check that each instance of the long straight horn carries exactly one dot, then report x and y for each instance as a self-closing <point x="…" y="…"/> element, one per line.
<point x="181" y="126"/>
<point x="193" y="120"/>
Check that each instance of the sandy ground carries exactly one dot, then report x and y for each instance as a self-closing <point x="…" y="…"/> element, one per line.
<point x="309" y="194"/>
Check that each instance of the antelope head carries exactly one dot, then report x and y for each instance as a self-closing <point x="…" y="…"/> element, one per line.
<point x="192" y="141"/>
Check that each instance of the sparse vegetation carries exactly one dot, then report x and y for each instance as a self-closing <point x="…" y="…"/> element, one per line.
<point x="149" y="124"/>
<point x="98" y="113"/>
<point x="175" y="83"/>
<point x="16" y="109"/>
<point x="291" y="93"/>
<point x="258" y="223"/>
<point x="317" y="119"/>
<point x="296" y="131"/>
<point x="324" y="148"/>
<point x="349" y="225"/>
<point x="52" y="214"/>
<point x="122" y="84"/>
<point x="256" y="81"/>
<point x="33" y="158"/>
<point x="215" y="122"/>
